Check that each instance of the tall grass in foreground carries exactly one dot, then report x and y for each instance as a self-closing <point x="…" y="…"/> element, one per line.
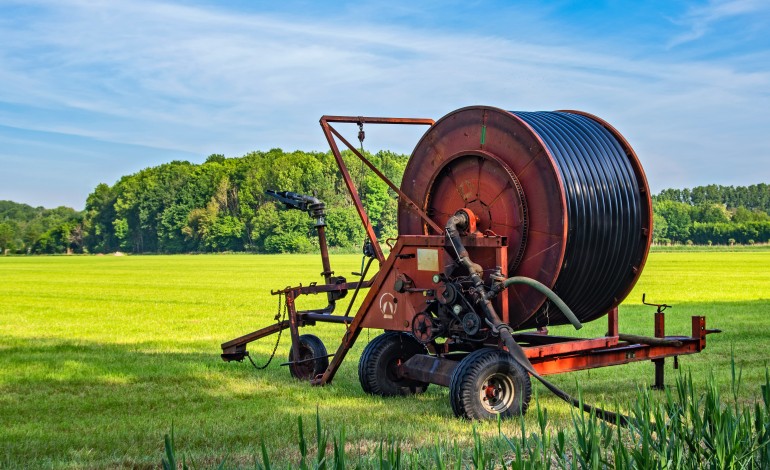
<point x="683" y="429"/>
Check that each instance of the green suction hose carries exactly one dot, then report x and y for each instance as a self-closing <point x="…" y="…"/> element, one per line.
<point x="540" y="287"/>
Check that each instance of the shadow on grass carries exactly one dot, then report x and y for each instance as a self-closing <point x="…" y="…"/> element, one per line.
<point x="74" y="402"/>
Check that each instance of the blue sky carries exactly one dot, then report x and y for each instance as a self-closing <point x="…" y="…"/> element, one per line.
<point x="93" y="90"/>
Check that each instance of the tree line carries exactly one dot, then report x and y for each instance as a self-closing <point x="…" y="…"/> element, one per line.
<point x="221" y="205"/>
<point x="27" y="229"/>
<point x="712" y="214"/>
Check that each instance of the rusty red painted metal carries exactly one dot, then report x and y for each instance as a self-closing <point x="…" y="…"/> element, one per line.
<point x="508" y="154"/>
<point x="556" y="355"/>
<point x="493" y="169"/>
<point x="497" y="164"/>
<point x="402" y="196"/>
<point x="353" y="191"/>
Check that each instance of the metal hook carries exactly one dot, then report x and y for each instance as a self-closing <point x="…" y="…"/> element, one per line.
<point x="661" y="307"/>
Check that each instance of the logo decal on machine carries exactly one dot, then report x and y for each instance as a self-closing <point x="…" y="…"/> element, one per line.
<point x="388" y="305"/>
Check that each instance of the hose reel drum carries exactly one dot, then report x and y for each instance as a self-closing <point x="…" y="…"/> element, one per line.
<point x="565" y="188"/>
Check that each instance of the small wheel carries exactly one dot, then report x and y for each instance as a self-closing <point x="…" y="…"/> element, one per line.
<point x="487" y="383"/>
<point x="378" y="367"/>
<point x="312" y="360"/>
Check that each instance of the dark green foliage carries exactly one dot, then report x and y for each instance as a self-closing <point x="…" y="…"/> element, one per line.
<point x="713" y="214"/>
<point x="756" y="196"/>
<point x="677" y="216"/>
<point x="169" y="462"/>
<point x="221" y="204"/>
<point x="100" y="212"/>
<point x="27" y="229"/>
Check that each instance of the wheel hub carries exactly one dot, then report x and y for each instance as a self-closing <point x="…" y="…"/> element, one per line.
<point x="497" y="393"/>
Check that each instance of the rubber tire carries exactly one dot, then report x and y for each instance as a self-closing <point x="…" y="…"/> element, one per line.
<point x="476" y="369"/>
<point x="376" y="369"/>
<point x="310" y="346"/>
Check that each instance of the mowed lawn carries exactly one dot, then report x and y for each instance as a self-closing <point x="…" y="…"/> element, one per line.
<point x="100" y="355"/>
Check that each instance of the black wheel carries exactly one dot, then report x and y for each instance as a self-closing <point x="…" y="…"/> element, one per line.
<point x="377" y="369"/>
<point x="312" y="358"/>
<point x="487" y="383"/>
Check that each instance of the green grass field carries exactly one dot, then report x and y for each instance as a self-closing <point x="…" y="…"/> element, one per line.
<point x="100" y="355"/>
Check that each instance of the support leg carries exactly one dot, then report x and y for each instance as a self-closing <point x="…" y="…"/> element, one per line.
<point x="659" y="374"/>
<point x="612" y="322"/>
<point x="293" y="324"/>
<point x="660" y="364"/>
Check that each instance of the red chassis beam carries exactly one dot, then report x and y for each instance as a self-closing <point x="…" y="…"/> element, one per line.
<point x="568" y="355"/>
<point x="623" y="353"/>
<point x="555" y="354"/>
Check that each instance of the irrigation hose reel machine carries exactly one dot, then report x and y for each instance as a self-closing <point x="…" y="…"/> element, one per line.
<point x="508" y="223"/>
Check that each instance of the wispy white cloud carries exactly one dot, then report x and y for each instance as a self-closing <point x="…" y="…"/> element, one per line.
<point x="698" y="20"/>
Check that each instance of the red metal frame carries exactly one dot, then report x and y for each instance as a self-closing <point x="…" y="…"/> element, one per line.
<point x="556" y="355"/>
<point x="330" y="133"/>
<point x="569" y="354"/>
<point x="548" y="354"/>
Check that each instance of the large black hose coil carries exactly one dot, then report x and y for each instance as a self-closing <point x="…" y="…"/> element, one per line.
<point x="604" y="210"/>
<point x="566" y="190"/>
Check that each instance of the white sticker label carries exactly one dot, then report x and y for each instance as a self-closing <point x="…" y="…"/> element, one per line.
<point x="427" y="260"/>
